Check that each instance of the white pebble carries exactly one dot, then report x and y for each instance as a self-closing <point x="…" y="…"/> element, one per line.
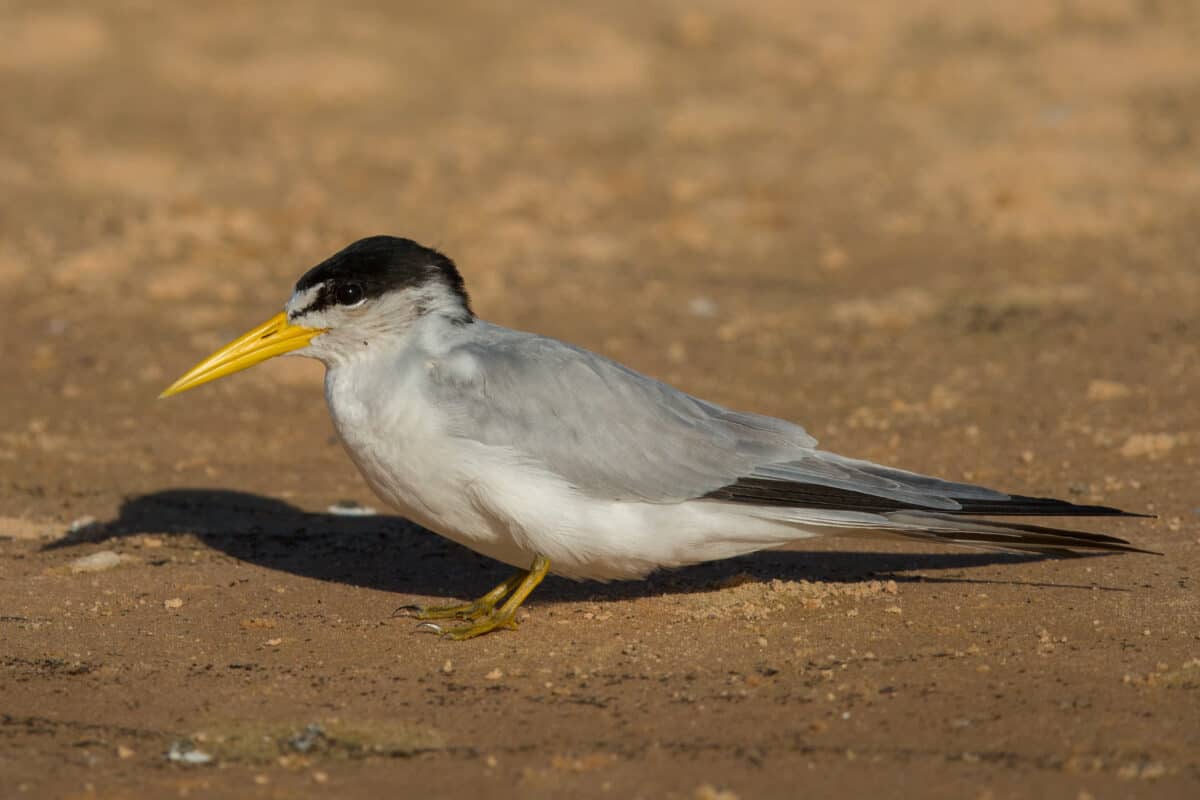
<point x="184" y="752"/>
<point x="96" y="562"/>
<point x="81" y="524"/>
<point x="350" y="509"/>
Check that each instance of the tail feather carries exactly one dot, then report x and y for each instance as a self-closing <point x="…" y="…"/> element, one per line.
<point x="1006" y="536"/>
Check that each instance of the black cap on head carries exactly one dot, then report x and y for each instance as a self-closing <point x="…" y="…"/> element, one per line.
<point x="382" y="264"/>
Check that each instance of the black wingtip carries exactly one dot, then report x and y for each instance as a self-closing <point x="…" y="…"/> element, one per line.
<point x="800" y="494"/>
<point x="1013" y="536"/>
<point x="1019" y="505"/>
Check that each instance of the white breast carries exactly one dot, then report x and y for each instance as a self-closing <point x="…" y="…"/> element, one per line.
<point x="398" y="441"/>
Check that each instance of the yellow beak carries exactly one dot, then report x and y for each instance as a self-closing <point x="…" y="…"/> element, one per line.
<point x="273" y="338"/>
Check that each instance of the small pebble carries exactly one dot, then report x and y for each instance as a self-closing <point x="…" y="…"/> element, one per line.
<point x="308" y="738"/>
<point x="96" y="562"/>
<point x="81" y="524"/>
<point x="349" y="508"/>
<point x="184" y="752"/>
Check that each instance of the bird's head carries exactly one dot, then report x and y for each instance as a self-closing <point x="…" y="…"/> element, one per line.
<point x="375" y="289"/>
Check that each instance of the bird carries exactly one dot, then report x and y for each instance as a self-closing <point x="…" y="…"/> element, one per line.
<point x="552" y="458"/>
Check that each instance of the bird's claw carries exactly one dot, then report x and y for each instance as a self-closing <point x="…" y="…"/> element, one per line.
<point x="486" y="624"/>
<point x="474" y="610"/>
<point x="481" y="616"/>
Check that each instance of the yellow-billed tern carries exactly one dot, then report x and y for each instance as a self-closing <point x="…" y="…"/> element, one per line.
<point x="549" y="457"/>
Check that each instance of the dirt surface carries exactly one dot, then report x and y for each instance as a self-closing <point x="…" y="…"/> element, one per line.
<point x="958" y="237"/>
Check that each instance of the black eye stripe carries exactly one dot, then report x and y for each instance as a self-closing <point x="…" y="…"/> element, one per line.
<point x="333" y="294"/>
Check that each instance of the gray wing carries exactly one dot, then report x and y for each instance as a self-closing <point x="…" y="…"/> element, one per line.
<point x="614" y="433"/>
<point x="611" y="432"/>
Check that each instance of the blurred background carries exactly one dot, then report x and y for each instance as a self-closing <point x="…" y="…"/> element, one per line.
<point x="859" y="215"/>
<point x="854" y="214"/>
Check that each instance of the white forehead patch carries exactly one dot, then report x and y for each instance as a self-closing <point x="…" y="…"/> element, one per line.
<point x="302" y="299"/>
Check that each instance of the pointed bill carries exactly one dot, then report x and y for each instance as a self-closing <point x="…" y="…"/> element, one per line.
<point x="273" y="338"/>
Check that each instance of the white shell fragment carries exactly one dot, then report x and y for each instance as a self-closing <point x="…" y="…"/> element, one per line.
<point x="97" y="562"/>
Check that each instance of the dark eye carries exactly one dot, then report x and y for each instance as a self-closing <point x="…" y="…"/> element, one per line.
<point x="348" y="294"/>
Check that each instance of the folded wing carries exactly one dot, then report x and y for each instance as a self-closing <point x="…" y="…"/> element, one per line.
<point x="616" y="434"/>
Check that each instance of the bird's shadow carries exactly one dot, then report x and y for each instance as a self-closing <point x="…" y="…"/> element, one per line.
<point x="389" y="553"/>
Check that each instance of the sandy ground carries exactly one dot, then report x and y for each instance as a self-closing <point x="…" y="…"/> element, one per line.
<point x="953" y="237"/>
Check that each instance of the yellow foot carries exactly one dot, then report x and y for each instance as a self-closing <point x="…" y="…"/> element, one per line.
<point x="473" y="610"/>
<point x="483" y="613"/>
<point x="487" y="624"/>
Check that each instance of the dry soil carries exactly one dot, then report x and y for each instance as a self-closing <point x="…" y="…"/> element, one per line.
<point x="956" y="237"/>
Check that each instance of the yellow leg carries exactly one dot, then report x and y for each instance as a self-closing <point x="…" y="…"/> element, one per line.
<point x="473" y="610"/>
<point x="506" y="615"/>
